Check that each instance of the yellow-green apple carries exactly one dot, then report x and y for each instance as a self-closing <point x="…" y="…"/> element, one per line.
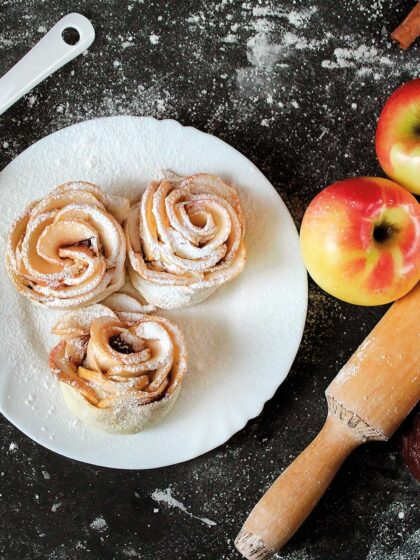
<point x="360" y="240"/>
<point x="398" y="136"/>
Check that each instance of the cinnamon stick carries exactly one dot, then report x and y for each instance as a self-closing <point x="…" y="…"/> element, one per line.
<point x="408" y="31"/>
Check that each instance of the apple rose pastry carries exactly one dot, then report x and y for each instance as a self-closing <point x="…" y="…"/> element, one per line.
<point x="118" y="375"/>
<point x="68" y="249"/>
<point x="185" y="238"/>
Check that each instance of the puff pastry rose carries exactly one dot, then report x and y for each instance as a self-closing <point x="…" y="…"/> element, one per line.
<point x="185" y="238"/>
<point x="119" y="371"/>
<point x="68" y="249"/>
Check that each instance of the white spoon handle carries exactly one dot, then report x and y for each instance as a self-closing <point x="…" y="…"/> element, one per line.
<point x="47" y="56"/>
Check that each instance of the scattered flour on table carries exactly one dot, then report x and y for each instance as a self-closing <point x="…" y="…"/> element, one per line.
<point x="31" y="101"/>
<point x="300" y="19"/>
<point x="296" y="555"/>
<point x="165" y="497"/>
<point x="99" y="524"/>
<point x="407" y="551"/>
<point x="131" y="553"/>
<point x="362" y="56"/>
<point x="273" y="39"/>
<point x="264" y="51"/>
<point x="386" y="545"/>
<point x="279" y="40"/>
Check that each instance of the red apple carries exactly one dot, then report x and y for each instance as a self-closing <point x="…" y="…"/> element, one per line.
<point x="398" y="136"/>
<point x="360" y="240"/>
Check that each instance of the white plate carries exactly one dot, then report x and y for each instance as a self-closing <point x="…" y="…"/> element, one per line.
<point x="241" y="341"/>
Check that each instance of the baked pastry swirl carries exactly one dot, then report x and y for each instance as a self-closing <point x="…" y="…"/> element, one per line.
<point x="118" y="375"/>
<point x="68" y="249"/>
<point x="185" y="238"/>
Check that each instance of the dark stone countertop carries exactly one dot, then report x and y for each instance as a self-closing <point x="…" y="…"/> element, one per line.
<point x="297" y="87"/>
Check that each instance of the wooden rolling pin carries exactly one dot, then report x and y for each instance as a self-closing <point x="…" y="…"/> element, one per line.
<point x="369" y="398"/>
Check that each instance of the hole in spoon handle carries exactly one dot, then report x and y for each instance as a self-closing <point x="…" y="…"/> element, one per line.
<point x="48" y="55"/>
<point x="70" y="36"/>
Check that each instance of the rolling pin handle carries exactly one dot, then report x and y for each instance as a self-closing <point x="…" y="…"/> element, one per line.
<point x="289" y="501"/>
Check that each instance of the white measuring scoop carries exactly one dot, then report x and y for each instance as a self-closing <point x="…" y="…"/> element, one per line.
<point x="48" y="55"/>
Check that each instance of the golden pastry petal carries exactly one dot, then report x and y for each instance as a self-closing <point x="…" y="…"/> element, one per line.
<point x="77" y="323"/>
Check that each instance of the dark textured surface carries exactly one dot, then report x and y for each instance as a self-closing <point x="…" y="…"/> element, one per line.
<point x="268" y="79"/>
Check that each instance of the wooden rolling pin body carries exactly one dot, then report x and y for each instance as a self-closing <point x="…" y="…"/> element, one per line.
<point x="369" y="398"/>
